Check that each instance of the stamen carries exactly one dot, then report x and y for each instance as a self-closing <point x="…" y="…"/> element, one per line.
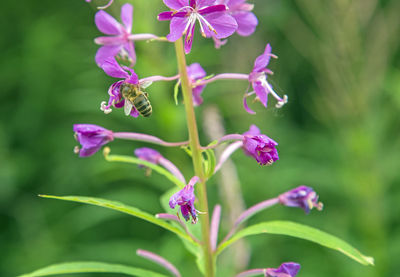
<point x="201" y="28"/>
<point x="281" y="103"/>
<point x="105" y="108"/>
<point x="210" y="27"/>
<point x="192" y="19"/>
<point x="76" y="149"/>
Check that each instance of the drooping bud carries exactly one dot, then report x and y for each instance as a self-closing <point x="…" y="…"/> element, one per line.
<point x="303" y="197"/>
<point x="91" y="137"/>
<point x="260" y="147"/>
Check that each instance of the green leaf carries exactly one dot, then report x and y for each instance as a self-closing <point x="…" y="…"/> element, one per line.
<point x="92" y="267"/>
<point x="210" y="162"/>
<point x="117" y="206"/>
<point x="159" y="169"/>
<point x="303" y="232"/>
<point x="176" y="92"/>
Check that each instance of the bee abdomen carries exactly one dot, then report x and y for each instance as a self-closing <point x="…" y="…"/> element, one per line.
<point x="142" y="104"/>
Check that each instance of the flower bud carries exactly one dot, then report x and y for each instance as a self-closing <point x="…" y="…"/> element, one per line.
<point x="260" y="147"/>
<point x="91" y="137"/>
<point x="303" y="197"/>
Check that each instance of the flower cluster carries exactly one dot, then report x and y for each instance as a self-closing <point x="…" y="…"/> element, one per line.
<point x="216" y="19"/>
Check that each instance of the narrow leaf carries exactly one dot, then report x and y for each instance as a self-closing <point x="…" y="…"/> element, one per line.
<point x="92" y="267"/>
<point x="117" y="206"/>
<point x="303" y="232"/>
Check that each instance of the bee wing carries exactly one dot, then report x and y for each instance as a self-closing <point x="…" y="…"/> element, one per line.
<point x="128" y="107"/>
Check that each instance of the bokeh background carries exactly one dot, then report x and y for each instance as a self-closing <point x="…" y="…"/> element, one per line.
<point x="339" y="63"/>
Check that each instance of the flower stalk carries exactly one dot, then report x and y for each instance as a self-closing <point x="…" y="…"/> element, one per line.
<point x="197" y="159"/>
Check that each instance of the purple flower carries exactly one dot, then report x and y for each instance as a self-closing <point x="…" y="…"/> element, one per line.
<point x="196" y="72"/>
<point x="185" y="198"/>
<point x="241" y="11"/>
<point x="118" y="42"/>
<point x="213" y="20"/>
<point x="258" y="79"/>
<point x="113" y="69"/>
<point x="284" y="270"/>
<point x="91" y="137"/>
<point x="303" y="197"/>
<point x="259" y="146"/>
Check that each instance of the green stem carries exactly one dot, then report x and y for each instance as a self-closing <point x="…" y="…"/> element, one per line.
<point x="197" y="158"/>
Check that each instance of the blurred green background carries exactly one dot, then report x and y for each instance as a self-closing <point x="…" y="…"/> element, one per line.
<point x="338" y="63"/>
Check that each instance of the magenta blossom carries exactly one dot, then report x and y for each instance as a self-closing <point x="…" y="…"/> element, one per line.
<point x="259" y="146"/>
<point x="185" y="198"/>
<point x="302" y="197"/>
<point x="258" y="79"/>
<point x="120" y="40"/>
<point x="113" y="69"/>
<point x="196" y="73"/>
<point x="241" y="11"/>
<point x="284" y="270"/>
<point x="245" y="19"/>
<point x="91" y="137"/>
<point x="289" y="269"/>
<point x="213" y="20"/>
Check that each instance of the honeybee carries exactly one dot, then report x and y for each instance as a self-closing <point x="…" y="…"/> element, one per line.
<point x="134" y="97"/>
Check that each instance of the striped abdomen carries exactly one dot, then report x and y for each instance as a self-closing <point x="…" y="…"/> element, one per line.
<point x="142" y="104"/>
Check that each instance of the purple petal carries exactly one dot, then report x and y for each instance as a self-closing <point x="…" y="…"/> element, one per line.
<point x="130" y="49"/>
<point x="195" y="71"/>
<point x="126" y="16"/>
<point x="235" y="2"/>
<point x="286" y="269"/>
<point x="107" y="24"/>
<point x="212" y="9"/>
<point x="224" y="25"/>
<point x="197" y="99"/>
<point x="165" y="16"/>
<point x="263" y="60"/>
<point x="113" y="69"/>
<point x="106" y="52"/>
<point x="177" y="27"/>
<point x="202" y="3"/>
<point x="175" y="4"/>
<point x="254" y="131"/>
<point x="246" y="106"/>
<point x="247" y="23"/>
<point x="134" y="112"/>
<point x="189" y="38"/>
<point x="261" y="92"/>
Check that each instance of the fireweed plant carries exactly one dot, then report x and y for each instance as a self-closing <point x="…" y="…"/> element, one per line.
<point x="188" y="204"/>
